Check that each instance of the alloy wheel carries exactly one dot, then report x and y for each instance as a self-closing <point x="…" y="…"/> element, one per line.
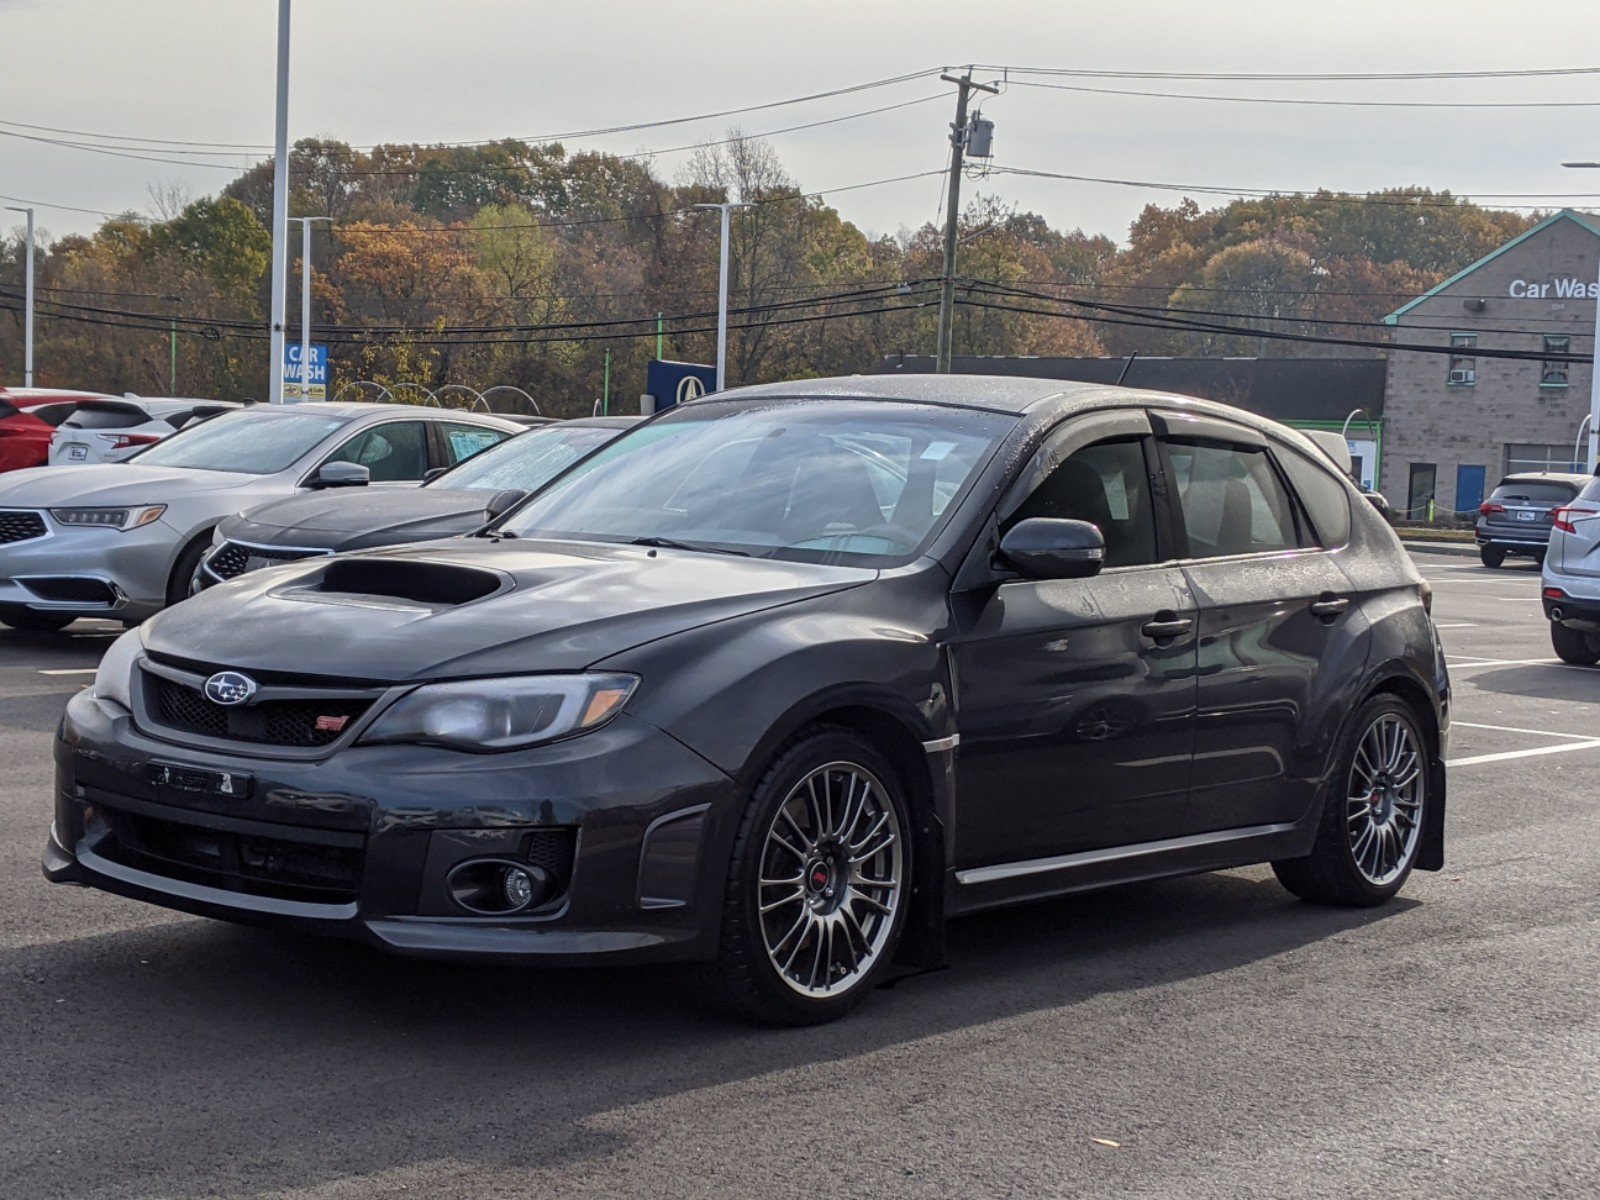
<point x="1385" y="794"/>
<point x="832" y="880"/>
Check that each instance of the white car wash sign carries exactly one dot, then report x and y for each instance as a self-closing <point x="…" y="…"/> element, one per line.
<point x="1554" y="289"/>
<point x="318" y="382"/>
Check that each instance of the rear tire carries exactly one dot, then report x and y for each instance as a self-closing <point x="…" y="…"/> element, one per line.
<point x="1574" y="646"/>
<point x="1373" y="815"/>
<point x="1491" y="556"/>
<point x="819" y="883"/>
<point x="34" y="622"/>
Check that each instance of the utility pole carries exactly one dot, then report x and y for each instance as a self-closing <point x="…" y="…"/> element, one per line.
<point x="722" y="292"/>
<point x="27" y="304"/>
<point x="305" y="303"/>
<point x="172" y="347"/>
<point x="1594" y="369"/>
<point x="952" y="214"/>
<point x="280" y="211"/>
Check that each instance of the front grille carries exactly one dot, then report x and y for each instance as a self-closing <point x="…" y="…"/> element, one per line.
<point x="18" y="526"/>
<point x="230" y="559"/>
<point x="302" y="723"/>
<point x="326" y="870"/>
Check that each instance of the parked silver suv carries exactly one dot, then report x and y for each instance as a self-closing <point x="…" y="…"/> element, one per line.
<point x="1571" y="587"/>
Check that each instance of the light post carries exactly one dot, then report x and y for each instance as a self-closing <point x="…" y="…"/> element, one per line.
<point x="27" y="304"/>
<point x="722" y="291"/>
<point x="1594" y="368"/>
<point x="305" y="303"/>
<point x="280" y="211"/>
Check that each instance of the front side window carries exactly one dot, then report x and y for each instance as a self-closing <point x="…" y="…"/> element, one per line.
<point x="392" y="452"/>
<point x="1463" y="359"/>
<point x="1231" y="499"/>
<point x="809" y="480"/>
<point x="1108" y="485"/>
<point x="1553" y="372"/>
<point x="248" y="443"/>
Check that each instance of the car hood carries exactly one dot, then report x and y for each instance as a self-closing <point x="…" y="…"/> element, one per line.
<point x="110" y="484"/>
<point x="555" y="606"/>
<point x="354" y="518"/>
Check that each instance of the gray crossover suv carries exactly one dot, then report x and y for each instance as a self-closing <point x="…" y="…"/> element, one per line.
<point x="123" y="539"/>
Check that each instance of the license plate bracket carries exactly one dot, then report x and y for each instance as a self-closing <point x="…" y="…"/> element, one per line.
<point x="1527" y="514"/>
<point x="203" y="781"/>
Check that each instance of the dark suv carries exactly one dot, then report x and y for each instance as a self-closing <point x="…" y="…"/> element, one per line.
<point x="781" y="679"/>
<point x="1516" y="519"/>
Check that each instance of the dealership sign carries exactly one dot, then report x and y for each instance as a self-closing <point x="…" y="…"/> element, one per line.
<point x="1554" y="289"/>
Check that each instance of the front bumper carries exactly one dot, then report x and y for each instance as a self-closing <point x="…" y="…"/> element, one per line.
<point x="378" y="829"/>
<point x="90" y="572"/>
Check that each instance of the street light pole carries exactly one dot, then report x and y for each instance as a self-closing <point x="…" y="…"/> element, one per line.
<point x="280" y="211"/>
<point x="722" y="291"/>
<point x="952" y="214"/>
<point x="1594" y="367"/>
<point x="305" y="303"/>
<point x="27" y="304"/>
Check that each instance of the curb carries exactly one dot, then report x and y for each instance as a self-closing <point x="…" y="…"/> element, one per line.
<point x="1458" y="549"/>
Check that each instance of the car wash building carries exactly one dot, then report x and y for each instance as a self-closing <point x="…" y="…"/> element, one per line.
<point x="1457" y="419"/>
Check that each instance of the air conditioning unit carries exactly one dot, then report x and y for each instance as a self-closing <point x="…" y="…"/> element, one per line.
<point x="1463" y="375"/>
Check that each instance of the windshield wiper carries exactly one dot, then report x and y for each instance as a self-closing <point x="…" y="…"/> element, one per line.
<point x="667" y="543"/>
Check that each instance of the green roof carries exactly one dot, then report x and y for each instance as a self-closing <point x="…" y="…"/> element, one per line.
<point x="1582" y="220"/>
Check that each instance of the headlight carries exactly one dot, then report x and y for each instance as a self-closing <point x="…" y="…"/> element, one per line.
<point x="109" y="518"/>
<point x="114" y="680"/>
<point x="503" y="714"/>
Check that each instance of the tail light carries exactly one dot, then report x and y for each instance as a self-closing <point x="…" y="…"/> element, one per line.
<point x="1563" y="517"/>
<point x="1489" y="507"/>
<point x="1554" y="593"/>
<point x="121" y="441"/>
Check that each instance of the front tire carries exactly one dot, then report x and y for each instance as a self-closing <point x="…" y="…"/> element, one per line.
<point x="819" y="882"/>
<point x="1372" y="818"/>
<point x="178" y="583"/>
<point x="1574" y="646"/>
<point x="1491" y="556"/>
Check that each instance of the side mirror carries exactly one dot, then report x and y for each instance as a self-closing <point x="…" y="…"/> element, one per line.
<point x="503" y="502"/>
<point x="1380" y="502"/>
<point x="1053" y="548"/>
<point x="433" y="473"/>
<point x="341" y="474"/>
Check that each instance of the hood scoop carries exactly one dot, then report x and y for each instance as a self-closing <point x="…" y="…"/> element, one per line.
<point x="417" y="581"/>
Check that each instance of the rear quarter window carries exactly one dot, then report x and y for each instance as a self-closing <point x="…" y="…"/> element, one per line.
<point x="1325" y="497"/>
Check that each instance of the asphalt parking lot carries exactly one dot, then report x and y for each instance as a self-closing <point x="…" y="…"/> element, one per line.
<point x="1204" y="1037"/>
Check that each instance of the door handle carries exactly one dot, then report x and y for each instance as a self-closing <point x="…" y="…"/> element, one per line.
<point x="1164" y="627"/>
<point x="1328" y="606"/>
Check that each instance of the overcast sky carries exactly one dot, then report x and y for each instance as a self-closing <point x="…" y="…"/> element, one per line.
<point x="403" y="70"/>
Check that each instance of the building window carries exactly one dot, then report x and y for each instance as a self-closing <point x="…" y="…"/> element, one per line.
<point x="1539" y="458"/>
<point x="1463" y="359"/>
<point x="1554" y="372"/>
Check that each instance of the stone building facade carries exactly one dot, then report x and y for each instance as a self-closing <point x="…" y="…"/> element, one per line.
<point x="1455" y="423"/>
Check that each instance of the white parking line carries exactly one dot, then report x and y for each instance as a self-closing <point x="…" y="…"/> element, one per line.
<point x="1577" y="737"/>
<point x="1506" y="756"/>
<point x="1468" y="662"/>
<point x="1455" y="625"/>
<point x="71" y="671"/>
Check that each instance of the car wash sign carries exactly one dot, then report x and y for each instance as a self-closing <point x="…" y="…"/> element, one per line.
<point x="295" y="387"/>
<point x="1570" y="288"/>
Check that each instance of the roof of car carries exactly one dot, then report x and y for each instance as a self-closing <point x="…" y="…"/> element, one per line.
<point x="598" y="422"/>
<point x="370" y="408"/>
<point x="1572" y="477"/>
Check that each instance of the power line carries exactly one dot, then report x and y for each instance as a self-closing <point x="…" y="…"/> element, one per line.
<point x="1297" y="100"/>
<point x="1292" y="76"/>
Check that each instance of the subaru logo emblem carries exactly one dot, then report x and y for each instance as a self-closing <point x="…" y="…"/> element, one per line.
<point x="229" y="688"/>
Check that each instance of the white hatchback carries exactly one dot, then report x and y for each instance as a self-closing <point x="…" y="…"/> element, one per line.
<point x="110" y="430"/>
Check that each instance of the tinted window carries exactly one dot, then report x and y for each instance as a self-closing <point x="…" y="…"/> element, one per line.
<point x="527" y="461"/>
<point x="1231" y="500"/>
<point x="463" y="441"/>
<point x="250" y="443"/>
<point x="1537" y="491"/>
<point x="395" y="450"/>
<point x="1323" y="494"/>
<point x="1107" y="485"/>
<point x="1591" y="490"/>
<point x="54" y="414"/>
<point x="810" y="480"/>
<point x="106" y="418"/>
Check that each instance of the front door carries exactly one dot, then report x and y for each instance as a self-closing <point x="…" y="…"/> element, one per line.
<point x="1280" y="640"/>
<point x="1075" y="698"/>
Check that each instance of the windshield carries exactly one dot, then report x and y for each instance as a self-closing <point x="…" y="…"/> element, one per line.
<point x="1533" y="491"/>
<point x="527" y="461"/>
<point x="247" y="443"/>
<point x="807" y="480"/>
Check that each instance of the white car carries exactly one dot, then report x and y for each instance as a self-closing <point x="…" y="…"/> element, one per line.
<point x="1571" y="583"/>
<point x="111" y="430"/>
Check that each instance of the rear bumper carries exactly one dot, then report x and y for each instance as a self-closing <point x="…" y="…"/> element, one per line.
<point x="1534" y="541"/>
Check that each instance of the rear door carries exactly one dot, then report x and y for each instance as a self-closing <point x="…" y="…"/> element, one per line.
<point x="1280" y="626"/>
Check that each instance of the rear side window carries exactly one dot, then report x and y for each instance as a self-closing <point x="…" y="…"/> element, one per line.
<point x="463" y="441"/>
<point x="1322" y="495"/>
<point x="106" y="418"/>
<point x="1231" y="499"/>
<point x="1533" y="491"/>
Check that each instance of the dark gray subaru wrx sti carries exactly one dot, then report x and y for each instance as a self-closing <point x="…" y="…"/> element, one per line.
<point x="780" y="680"/>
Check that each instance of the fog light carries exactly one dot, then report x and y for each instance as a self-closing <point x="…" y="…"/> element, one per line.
<point x="517" y="887"/>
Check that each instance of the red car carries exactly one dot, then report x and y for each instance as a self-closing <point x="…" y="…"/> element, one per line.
<point x="28" y="416"/>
